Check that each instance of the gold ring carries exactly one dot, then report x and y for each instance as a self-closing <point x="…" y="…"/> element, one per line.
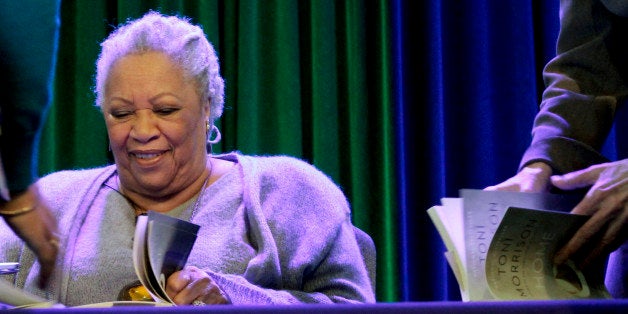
<point x="198" y="302"/>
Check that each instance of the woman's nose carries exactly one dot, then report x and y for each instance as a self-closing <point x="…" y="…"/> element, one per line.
<point x="145" y="127"/>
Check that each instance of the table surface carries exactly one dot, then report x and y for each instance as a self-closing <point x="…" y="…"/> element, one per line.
<point x="527" y="307"/>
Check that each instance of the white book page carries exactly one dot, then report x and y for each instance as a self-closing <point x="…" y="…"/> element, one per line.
<point x="139" y="254"/>
<point x="16" y="297"/>
<point x="455" y="227"/>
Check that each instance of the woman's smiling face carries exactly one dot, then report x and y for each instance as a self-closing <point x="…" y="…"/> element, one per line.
<point x="156" y="124"/>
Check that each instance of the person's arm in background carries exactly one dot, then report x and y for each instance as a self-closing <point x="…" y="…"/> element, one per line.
<point x="28" y="46"/>
<point x="585" y="82"/>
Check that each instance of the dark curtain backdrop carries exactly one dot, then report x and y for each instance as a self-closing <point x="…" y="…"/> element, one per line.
<point x="399" y="102"/>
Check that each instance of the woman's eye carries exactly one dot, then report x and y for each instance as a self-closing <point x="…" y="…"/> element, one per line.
<point x="120" y="114"/>
<point x="166" y="111"/>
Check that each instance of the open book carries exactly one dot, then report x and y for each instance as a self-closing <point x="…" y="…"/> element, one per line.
<point x="161" y="246"/>
<point x="500" y="246"/>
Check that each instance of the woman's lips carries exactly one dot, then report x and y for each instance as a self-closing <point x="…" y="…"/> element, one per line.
<point x="147" y="158"/>
<point x="146" y="155"/>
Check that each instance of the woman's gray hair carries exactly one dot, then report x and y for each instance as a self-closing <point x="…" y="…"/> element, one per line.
<point x="182" y="41"/>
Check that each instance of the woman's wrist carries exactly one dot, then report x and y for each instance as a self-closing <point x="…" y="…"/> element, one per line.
<point x="16" y="212"/>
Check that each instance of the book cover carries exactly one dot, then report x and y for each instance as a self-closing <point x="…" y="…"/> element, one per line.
<point x="519" y="261"/>
<point x="468" y="226"/>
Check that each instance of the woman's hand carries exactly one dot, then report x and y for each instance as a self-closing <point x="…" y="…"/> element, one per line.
<point x="37" y="227"/>
<point x="193" y="286"/>
<point x="607" y="204"/>
<point x="534" y="177"/>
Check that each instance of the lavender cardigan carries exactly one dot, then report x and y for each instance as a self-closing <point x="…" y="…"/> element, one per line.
<point x="274" y="230"/>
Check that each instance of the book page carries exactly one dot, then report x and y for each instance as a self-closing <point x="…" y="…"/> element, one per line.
<point x="124" y="304"/>
<point x="13" y="296"/>
<point x="140" y="257"/>
<point x="454" y="224"/>
<point x="448" y="220"/>
<point x="169" y="242"/>
<point x="519" y="261"/>
<point x="483" y="212"/>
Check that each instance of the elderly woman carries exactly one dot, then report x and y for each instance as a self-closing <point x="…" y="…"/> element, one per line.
<point x="273" y="229"/>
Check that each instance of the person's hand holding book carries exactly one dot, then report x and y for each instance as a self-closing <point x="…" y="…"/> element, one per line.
<point x="534" y="178"/>
<point x="607" y="204"/>
<point x="193" y="286"/>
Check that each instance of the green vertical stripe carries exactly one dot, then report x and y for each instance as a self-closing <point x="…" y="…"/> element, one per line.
<point x="322" y="92"/>
<point x="388" y="242"/>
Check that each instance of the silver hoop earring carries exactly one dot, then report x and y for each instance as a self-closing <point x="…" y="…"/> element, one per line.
<point x="213" y="130"/>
